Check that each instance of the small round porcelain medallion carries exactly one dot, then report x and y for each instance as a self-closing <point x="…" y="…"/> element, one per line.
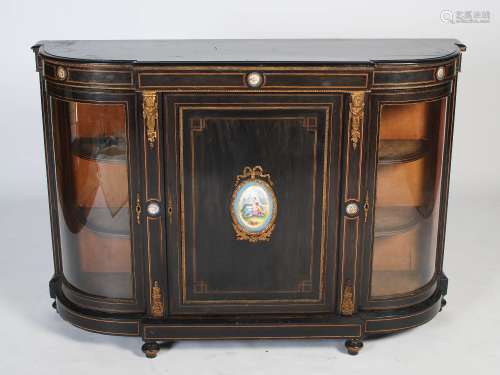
<point x="440" y="73"/>
<point x="352" y="209"/>
<point x="153" y="209"/>
<point x="61" y="73"/>
<point x="254" y="79"/>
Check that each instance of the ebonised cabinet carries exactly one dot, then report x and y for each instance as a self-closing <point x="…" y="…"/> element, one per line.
<point x="244" y="189"/>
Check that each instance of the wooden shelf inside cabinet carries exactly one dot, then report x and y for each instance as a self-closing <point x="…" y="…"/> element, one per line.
<point x="387" y="283"/>
<point x="105" y="221"/>
<point x="393" y="220"/>
<point x="109" y="149"/>
<point x="396" y="151"/>
<point x="113" y="284"/>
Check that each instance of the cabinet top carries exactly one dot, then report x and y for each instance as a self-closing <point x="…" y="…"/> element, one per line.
<point x="248" y="51"/>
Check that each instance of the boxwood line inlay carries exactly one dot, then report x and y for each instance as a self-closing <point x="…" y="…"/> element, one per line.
<point x="201" y="286"/>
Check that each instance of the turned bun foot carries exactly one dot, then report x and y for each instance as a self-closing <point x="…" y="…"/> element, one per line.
<point x="443" y="304"/>
<point x="150" y="349"/>
<point x="353" y="346"/>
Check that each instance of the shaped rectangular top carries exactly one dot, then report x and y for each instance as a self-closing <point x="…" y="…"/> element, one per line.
<point x="248" y="51"/>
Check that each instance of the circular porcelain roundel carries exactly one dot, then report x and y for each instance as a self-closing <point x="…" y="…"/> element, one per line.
<point x="254" y="208"/>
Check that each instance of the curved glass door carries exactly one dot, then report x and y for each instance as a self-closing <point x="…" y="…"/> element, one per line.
<point x="409" y="168"/>
<point x="92" y="185"/>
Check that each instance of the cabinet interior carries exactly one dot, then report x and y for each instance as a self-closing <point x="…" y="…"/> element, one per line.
<point x="92" y="174"/>
<point x="407" y="196"/>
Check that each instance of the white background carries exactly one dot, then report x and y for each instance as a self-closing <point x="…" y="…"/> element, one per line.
<point x="462" y="339"/>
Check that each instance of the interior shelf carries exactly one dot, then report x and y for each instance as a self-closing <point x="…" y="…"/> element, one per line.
<point x="110" y="284"/>
<point x="394" y="151"/>
<point x="102" y="220"/>
<point x="395" y="220"/>
<point x="386" y="283"/>
<point x="106" y="149"/>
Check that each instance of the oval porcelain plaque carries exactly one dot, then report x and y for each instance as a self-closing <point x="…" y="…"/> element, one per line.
<point x="254" y="206"/>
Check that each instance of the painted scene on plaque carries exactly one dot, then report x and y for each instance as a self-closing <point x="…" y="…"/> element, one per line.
<point x="254" y="206"/>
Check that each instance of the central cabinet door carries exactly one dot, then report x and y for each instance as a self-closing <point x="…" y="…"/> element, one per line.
<point x="252" y="187"/>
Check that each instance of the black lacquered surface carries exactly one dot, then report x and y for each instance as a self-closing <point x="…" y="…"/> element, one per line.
<point x="253" y="50"/>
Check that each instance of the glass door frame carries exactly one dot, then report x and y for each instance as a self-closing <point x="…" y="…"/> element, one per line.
<point x="65" y="93"/>
<point x="376" y="101"/>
